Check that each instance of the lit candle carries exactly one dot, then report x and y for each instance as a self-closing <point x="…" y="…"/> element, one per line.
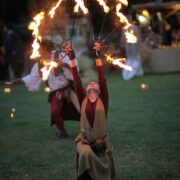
<point x="47" y="89"/>
<point x="7" y="90"/>
<point x="144" y="87"/>
<point x="13" y="110"/>
<point x="12" y="115"/>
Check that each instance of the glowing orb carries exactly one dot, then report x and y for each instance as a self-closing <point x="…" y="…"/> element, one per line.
<point x="144" y="87"/>
<point x="47" y="89"/>
<point x="13" y="110"/>
<point x="12" y="115"/>
<point x="7" y="90"/>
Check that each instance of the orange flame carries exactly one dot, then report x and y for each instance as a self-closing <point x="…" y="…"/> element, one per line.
<point x="53" y="9"/>
<point x="118" y="62"/>
<point x="80" y="4"/>
<point x="130" y="37"/>
<point x="38" y="18"/>
<point x="46" y="70"/>
<point x="124" y="2"/>
<point x="105" y="7"/>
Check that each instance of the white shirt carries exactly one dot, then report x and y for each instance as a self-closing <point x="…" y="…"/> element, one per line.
<point x="34" y="80"/>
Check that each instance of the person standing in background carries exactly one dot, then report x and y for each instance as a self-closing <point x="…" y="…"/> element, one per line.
<point x="132" y="50"/>
<point x="94" y="153"/>
<point x="14" y="52"/>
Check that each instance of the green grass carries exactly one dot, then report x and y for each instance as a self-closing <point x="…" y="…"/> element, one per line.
<point x="144" y="129"/>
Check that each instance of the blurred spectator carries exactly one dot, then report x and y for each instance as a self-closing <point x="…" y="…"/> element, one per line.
<point x="152" y="40"/>
<point x="132" y="50"/>
<point x="167" y="33"/>
<point x="14" y="52"/>
<point x="176" y="32"/>
<point x="3" y="67"/>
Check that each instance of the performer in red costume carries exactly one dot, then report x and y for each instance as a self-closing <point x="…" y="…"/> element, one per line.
<point x="94" y="160"/>
<point x="63" y="99"/>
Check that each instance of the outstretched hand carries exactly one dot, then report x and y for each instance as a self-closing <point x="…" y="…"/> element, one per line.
<point x="97" y="48"/>
<point x="69" y="51"/>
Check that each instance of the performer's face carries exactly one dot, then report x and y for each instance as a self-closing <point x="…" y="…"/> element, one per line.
<point x="92" y="95"/>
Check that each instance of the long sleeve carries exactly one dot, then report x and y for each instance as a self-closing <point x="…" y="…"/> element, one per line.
<point x="78" y="85"/>
<point x="33" y="80"/>
<point x="103" y="87"/>
<point x="67" y="73"/>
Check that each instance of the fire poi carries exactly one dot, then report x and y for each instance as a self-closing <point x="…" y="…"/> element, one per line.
<point x="80" y="7"/>
<point x="57" y="72"/>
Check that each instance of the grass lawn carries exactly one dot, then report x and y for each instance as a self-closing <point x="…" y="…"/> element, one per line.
<point x="144" y="129"/>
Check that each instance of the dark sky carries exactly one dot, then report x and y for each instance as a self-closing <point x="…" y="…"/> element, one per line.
<point x="13" y="10"/>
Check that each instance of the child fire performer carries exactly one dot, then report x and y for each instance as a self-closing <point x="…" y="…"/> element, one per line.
<point x="64" y="102"/>
<point x="94" y="160"/>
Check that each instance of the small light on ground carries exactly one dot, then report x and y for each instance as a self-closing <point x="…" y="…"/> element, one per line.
<point x="47" y="89"/>
<point x="7" y="90"/>
<point x="12" y="115"/>
<point x="13" y="110"/>
<point x="144" y="87"/>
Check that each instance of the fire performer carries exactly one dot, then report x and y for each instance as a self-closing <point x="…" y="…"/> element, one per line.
<point x="94" y="160"/>
<point x="132" y="52"/>
<point x="64" y="102"/>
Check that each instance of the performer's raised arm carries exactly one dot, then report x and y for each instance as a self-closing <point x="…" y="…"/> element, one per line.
<point x="77" y="81"/>
<point x="101" y="77"/>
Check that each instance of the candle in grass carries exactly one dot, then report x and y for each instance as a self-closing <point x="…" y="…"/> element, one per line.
<point x="144" y="87"/>
<point x="47" y="89"/>
<point x="13" y="110"/>
<point x="12" y="115"/>
<point x="7" y="90"/>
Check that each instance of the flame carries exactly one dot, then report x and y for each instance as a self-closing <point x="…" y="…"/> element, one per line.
<point x="38" y="18"/>
<point x="48" y="66"/>
<point x="80" y="4"/>
<point x="105" y="7"/>
<point x="124" y="2"/>
<point x="118" y="62"/>
<point x="130" y="37"/>
<point x="53" y="9"/>
<point x="31" y="26"/>
<point x="121" y="16"/>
